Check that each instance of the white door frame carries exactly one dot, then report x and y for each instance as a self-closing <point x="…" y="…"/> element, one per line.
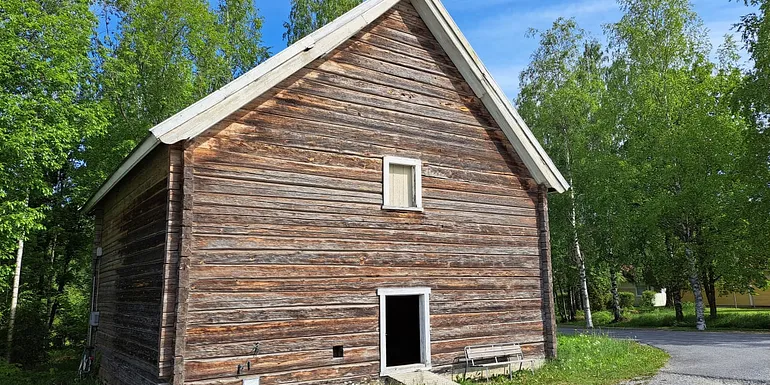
<point x="424" y="294"/>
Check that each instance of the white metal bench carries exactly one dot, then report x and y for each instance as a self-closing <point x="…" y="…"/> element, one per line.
<point x="495" y="355"/>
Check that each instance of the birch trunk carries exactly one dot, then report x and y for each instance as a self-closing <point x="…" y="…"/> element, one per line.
<point x="615" y="297"/>
<point x="580" y="261"/>
<point x="14" y="299"/>
<point x="576" y="243"/>
<point x="700" y="318"/>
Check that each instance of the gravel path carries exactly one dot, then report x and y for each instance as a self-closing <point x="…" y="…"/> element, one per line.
<point x="704" y="358"/>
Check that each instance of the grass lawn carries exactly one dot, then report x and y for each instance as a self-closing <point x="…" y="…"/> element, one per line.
<point x="591" y="360"/>
<point x="727" y="319"/>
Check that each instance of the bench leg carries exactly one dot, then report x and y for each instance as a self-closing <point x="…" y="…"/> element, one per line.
<point x="510" y="371"/>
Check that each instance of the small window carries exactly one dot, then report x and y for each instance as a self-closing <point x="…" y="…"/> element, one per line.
<point x="401" y="184"/>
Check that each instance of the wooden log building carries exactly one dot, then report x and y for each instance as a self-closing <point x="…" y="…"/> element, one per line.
<point x="370" y="178"/>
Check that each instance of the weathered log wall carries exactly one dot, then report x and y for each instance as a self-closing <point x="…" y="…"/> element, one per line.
<point x="288" y="243"/>
<point x="171" y="263"/>
<point x="130" y="273"/>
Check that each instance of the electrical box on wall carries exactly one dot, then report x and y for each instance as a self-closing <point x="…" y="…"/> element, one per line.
<point x="251" y="381"/>
<point x="94" y="321"/>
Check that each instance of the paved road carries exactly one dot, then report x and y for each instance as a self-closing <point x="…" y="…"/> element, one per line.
<point x="705" y="358"/>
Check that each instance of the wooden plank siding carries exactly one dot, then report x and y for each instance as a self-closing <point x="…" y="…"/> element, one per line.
<point x="133" y="232"/>
<point x="284" y="242"/>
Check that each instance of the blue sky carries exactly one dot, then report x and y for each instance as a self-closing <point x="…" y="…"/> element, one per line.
<point x="496" y="28"/>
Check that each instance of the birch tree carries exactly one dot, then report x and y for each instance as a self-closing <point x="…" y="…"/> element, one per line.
<point x="683" y="139"/>
<point x="559" y="99"/>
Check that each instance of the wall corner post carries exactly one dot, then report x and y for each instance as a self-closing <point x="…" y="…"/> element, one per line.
<point x="546" y="275"/>
<point x="183" y="290"/>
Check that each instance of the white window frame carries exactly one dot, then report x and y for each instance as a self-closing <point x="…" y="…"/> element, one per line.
<point x="424" y="293"/>
<point x="417" y="164"/>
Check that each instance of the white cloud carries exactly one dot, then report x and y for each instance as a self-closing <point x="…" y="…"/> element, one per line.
<point x="496" y="28"/>
<point x="513" y="21"/>
<point x="500" y="40"/>
<point x="479" y="5"/>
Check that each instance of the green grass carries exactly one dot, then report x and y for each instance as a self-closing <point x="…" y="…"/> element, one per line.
<point x="727" y="319"/>
<point x="60" y="369"/>
<point x="592" y="360"/>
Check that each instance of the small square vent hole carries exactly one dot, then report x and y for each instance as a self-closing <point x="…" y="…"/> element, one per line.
<point x="338" y="351"/>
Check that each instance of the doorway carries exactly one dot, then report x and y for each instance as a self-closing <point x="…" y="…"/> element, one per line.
<point x="402" y="322"/>
<point x="404" y="329"/>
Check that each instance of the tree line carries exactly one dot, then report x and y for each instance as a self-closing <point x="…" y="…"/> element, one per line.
<point x="81" y="82"/>
<point x="667" y="150"/>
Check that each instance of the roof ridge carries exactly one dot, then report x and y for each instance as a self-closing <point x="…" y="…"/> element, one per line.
<point x="203" y="114"/>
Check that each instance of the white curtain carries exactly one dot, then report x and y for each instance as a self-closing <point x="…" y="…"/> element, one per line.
<point x="401" y="189"/>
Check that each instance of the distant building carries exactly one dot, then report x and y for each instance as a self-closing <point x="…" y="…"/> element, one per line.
<point x="760" y="298"/>
<point x="638" y="288"/>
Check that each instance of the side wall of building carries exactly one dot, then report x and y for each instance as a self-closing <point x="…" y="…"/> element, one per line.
<point x="132" y="222"/>
<point x="285" y="243"/>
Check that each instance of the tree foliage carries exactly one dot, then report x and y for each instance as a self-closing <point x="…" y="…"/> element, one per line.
<point x="80" y="87"/>
<point x="45" y="103"/>
<point x="308" y="15"/>
<point x="661" y="145"/>
<point x="155" y="58"/>
<point x="47" y="111"/>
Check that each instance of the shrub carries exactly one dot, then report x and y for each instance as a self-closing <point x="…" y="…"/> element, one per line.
<point x="8" y="372"/>
<point x="648" y="300"/>
<point x="626" y="299"/>
<point x="30" y="339"/>
<point x="599" y="299"/>
<point x="603" y="317"/>
<point x="72" y="322"/>
<point x="59" y="369"/>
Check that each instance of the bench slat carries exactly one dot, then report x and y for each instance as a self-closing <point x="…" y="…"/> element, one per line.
<point x="505" y="363"/>
<point x="492" y="351"/>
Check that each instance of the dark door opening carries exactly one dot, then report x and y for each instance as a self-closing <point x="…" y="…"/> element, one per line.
<point x="402" y="330"/>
